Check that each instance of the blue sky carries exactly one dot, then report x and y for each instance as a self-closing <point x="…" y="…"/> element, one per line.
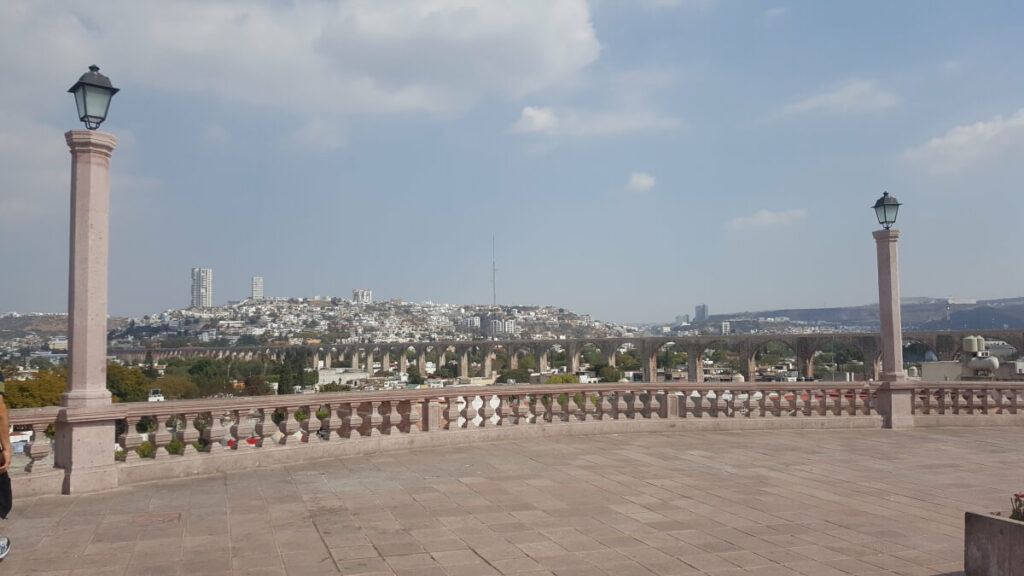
<point x="632" y="158"/>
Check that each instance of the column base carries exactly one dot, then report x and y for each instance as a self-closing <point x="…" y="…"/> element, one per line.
<point x="896" y="407"/>
<point x="85" y="451"/>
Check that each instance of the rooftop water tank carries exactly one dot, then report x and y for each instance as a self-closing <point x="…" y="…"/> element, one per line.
<point x="981" y="343"/>
<point x="912" y="372"/>
<point x="970" y="344"/>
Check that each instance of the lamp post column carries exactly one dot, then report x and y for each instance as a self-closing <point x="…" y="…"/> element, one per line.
<point x="894" y="404"/>
<point x="86" y="448"/>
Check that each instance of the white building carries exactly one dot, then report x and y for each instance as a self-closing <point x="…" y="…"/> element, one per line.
<point x="202" y="287"/>
<point x="256" y="290"/>
<point x="726" y="327"/>
<point x="362" y="296"/>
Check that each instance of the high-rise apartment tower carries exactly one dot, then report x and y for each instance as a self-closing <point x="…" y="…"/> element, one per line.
<point x="256" y="291"/>
<point x="202" y="287"/>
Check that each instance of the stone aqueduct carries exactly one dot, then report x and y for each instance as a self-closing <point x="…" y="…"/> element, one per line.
<point x="945" y="345"/>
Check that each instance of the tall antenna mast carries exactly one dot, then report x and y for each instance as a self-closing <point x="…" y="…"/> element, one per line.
<point x="494" y="275"/>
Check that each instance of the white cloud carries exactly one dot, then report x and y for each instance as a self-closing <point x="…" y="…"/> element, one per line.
<point x="970" y="145"/>
<point x="338" y="57"/>
<point x="849" y="97"/>
<point x="640" y="182"/>
<point x="767" y="219"/>
<point x="571" y="122"/>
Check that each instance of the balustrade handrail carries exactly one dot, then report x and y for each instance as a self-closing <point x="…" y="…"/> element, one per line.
<point x="24" y="416"/>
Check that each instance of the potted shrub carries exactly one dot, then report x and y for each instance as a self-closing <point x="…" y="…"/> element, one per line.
<point x="993" y="543"/>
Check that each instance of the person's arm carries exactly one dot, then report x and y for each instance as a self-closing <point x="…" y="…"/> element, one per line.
<point x="5" y="436"/>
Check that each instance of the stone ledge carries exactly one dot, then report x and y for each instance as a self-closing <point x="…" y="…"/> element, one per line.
<point x="967" y="420"/>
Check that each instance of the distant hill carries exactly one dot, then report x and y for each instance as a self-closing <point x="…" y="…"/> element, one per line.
<point x="42" y="325"/>
<point x="918" y="314"/>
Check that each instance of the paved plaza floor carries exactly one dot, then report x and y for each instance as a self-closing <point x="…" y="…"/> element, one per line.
<point x="812" y="502"/>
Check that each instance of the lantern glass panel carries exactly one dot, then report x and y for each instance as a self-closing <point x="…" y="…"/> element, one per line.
<point x="96" y="102"/>
<point x="80" y="101"/>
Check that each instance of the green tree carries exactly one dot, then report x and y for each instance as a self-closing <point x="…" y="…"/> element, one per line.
<point x="609" y="374"/>
<point x="256" y="385"/>
<point x="42" y="389"/>
<point x="211" y="376"/>
<point x="518" y="375"/>
<point x="414" y="375"/>
<point x="127" y="384"/>
<point x="563" y="379"/>
<point x="628" y="360"/>
<point x="40" y="363"/>
<point x="177" y="387"/>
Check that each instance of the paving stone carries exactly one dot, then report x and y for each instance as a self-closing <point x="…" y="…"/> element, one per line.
<point x="778" y="503"/>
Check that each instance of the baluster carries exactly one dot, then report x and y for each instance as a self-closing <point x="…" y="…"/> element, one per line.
<point x="354" y="422"/>
<point x="241" y="429"/>
<point x="794" y="402"/>
<point x="926" y="401"/>
<point x="39" y="447"/>
<point x="851" y="402"/>
<point x="539" y="410"/>
<point x="451" y="412"/>
<point x="486" y="410"/>
<point x="619" y="407"/>
<point x="728" y="403"/>
<point x="555" y="410"/>
<point x="189" y="434"/>
<point x="571" y="408"/>
<point x="129" y="441"/>
<point x="607" y="410"/>
<point x="266" y="428"/>
<point x="289" y="425"/>
<point x="1014" y="400"/>
<point x="985" y="400"/>
<point x="413" y="412"/>
<point x="636" y="406"/>
<point x="823" y="398"/>
<point x="161" y="437"/>
<point x="702" y="404"/>
<point x="779" y="396"/>
<point x="310" y="427"/>
<point x="328" y="422"/>
<point x="523" y="409"/>
<point x="970" y="401"/>
<point x="506" y="414"/>
<point x="687" y="406"/>
<point x="214" y="433"/>
<point x="394" y="419"/>
<point x="940" y="400"/>
<point x="956" y="394"/>
<point x="376" y="419"/>
<point x="589" y="413"/>
<point x="654" y="405"/>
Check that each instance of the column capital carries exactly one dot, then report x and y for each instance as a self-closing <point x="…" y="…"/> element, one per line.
<point x="891" y="235"/>
<point x="91" y="141"/>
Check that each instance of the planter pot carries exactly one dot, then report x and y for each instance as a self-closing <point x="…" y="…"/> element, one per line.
<point x="993" y="545"/>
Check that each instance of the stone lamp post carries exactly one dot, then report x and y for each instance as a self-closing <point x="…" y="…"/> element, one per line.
<point x="86" y="448"/>
<point x="894" y="404"/>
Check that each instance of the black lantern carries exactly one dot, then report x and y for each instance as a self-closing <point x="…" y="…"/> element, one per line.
<point x="92" y="95"/>
<point x="886" y="209"/>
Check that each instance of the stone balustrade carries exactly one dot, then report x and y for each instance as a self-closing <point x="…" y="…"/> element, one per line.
<point x="179" y="438"/>
<point x="968" y="399"/>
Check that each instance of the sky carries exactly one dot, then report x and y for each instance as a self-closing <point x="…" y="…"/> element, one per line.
<point x="631" y="158"/>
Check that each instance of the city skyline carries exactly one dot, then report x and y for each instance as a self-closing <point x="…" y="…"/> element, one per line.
<point x="727" y="150"/>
